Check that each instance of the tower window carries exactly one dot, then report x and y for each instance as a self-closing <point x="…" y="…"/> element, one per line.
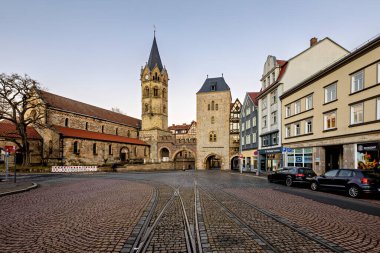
<point x="146" y="108"/>
<point x="216" y="107"/>
<point x="155" y="76"/>
<point x="155" y="91"/>
<point x="212" y="120"/>
<point x="212" y="137"/>
<point x="164" y="93"/>
<point x="146" y="91"/>
<point x="209" y="107"/>
<point x="164" y="109"/>
<point x="212" y="105"/>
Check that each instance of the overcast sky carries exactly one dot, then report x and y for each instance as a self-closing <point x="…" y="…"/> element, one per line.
<point x="93" y="50"/>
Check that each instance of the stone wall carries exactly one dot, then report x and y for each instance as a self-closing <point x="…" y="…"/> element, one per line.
<point x="35" y="147"/>
<point x="147" y="167"/>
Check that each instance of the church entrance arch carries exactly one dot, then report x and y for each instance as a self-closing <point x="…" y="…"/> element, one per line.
<point x="124" y="154"/>
<point x="213" y="162"/>
<point x="184" y="160"/>
<point x="164" y="154"/>
<point x="235" y="163"/>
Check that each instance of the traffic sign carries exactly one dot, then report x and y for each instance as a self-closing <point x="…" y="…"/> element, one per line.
<point x="10" y="149"/>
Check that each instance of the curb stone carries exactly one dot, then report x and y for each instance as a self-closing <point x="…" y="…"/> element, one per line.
<point x="33" y="186"/>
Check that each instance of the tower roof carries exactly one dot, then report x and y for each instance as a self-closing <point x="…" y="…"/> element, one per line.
<point x="214" y="84"/>
<point x="154" y="57"/>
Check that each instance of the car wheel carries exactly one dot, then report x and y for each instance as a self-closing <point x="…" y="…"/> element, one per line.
<point x="314" y="186"/>
<point x="289" y="181"/>
<point x="353" y="191"/>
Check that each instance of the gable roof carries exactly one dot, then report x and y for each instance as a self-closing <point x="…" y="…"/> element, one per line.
<point x="253" y="96"/>
<point x="8" y="130"/>
<point x="83" y="134"/>
<point x="214" y="84"/>
<point x="73" y="106"/>
<point x="179" y="127"/>
<point x="154" y="57"/>
<point x="282" y="71"/>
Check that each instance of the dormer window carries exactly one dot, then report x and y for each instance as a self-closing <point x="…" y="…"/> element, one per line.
<point x="213" y="87"/>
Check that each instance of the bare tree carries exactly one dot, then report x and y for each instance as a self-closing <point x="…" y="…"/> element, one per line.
<point x="21" y="105"/>
<point x="116" y="109"/>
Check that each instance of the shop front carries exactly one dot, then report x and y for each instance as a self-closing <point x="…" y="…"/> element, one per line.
<point x="250" y="160"/>
<point x="367" y="156"/>
<point x="270" y="159"/>
<point x="299" y="157"/>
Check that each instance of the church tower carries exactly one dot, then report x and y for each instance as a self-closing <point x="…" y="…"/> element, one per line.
<point x="154" y="90"/>
<point x="154" y="101"/>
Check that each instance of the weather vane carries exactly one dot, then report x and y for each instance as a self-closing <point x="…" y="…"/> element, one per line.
<point x="154" y="26"/>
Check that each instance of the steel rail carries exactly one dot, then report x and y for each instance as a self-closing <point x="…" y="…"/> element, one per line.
<point x="197" y="234"/>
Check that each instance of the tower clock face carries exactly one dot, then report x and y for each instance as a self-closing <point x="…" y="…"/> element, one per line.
<point x="146" y="77"/>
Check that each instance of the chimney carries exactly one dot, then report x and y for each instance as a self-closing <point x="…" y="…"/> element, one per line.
<point x="173" y="125"/>
<point x="313" y="41"/>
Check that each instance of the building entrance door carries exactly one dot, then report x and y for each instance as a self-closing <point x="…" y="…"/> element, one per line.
<point x="213" y="162"/>
<point x="334" y="155"/>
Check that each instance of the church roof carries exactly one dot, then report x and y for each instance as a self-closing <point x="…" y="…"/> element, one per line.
<point x="214" y="84"/>
<point x="84" y="134"/>
<point x="8" y="130"/>
<point x="154" y="57"/>
<point x="70" y="105"/>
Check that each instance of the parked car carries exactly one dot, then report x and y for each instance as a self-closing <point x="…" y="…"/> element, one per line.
<point x="353" y="181"/>
<point x="291" y="175"/>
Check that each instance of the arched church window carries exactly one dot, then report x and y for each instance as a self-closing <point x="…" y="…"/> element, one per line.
<point x="214" y="137"/>
<point x="110" y="149"/>
<point x="155" y="91"/>
<point x="146" y="109"/>
<point x="75" y="148"/>
<point x="209" y="107"/>
<point x="155" y="76"/>
<point x="94" y="148"/>
<point x="86" y="125"/>
<point x="146" y="93"/>
<point x="66" y="122"/>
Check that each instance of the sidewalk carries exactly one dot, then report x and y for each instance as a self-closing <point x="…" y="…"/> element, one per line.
<point x="7" y="188"/>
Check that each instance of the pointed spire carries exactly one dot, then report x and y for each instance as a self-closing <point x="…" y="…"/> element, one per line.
<point x="154" y="57"/>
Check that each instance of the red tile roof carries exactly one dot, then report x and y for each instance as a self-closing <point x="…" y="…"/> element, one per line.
<point x="281" y="62"/>
<point x="8" y="130"/>
<point x="179" y="127"/>
<point x="83" y="134"/>
<point x="69" y="105"/>
<point x="253" y="96"/>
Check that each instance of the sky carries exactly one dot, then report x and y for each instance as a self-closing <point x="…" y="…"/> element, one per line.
<point x="93" y="50"/>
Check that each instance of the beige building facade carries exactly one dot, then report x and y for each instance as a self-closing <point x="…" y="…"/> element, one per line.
<point x="332" y="119"/>
<point x="213" y="125"/>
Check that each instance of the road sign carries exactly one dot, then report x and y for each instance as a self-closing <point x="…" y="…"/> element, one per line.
<point x="289" y="150"/>
<point x="10" y="149"/>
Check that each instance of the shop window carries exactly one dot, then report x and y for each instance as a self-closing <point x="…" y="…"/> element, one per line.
<point x="357" y="113"/>
<point x="330" y="93"/>
<point x="368" y="156"/>
<point x="329" y="120"/>
<point x="357" y="81"/>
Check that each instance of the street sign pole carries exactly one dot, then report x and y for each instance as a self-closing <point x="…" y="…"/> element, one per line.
<point x="6" y="165"/>
<point x="14" y="178"/>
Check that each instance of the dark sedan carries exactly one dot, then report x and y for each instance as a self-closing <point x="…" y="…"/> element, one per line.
<point x="353" y="181"/>
<point x="291" y="175"/>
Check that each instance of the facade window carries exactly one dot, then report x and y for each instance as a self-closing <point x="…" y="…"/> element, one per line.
<point x="275" y="139"/>
<point x="248" y="139"/>
<point x="135" y="151"/>
<point x="117" y="131"/>
<point x="110" y="149"/>
<point x="264" y="121"/>
<point x="145" y="151"/>
<point x="378" y="72"/>
<point x="309" y="102"/>
<point x="264" y="84"/>
<point x="212" y="119"/>
<point x="248" y="124"/>
<point x="66" y="122"/>
<point x="268" y="80"/>
<point x="308" y="127"/>
<point x="330" y="93"/>
<point x="102" y="129"/>
<point x="288" y="131"/>
<point x="378" y="107"/>
<point x="357" y="113"/>
<point x="264" y="103"/>
<point x="273" y="76"/>
<point x="212" y="137"/>
<point x="94" y="148"/>
<point x="254" y="121"/>
<point x="208" y="107"/>
<point x="265" y="141"/>
<point x="243" y="140"/>
<point x="357" y="81"/>
<point x="273" y="97"/>
<point x="288" y="111"/>
<point x="86" y="125"/>
<point x="212" y="105"/>
<point x="75" y="148"/>
<point x="274" y="117"/>
<point x="254" y="138"/>
<point x="248" y="111"/>
<point x="297" y="107"/>
<point x="243" y="126"/>
<point x="297" y="129"/>
<point x="329" y="120"/>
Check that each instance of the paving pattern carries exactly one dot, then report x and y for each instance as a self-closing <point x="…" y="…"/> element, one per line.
<point x="79" y="216"/>
<point x="113" y="212"/>
<point x="354" y="231"/>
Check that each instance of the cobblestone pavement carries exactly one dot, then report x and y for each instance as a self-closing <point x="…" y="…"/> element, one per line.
<point x="352" y="230"/>
<point x="111" y="212"/>
<point x="79" y="216"/>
